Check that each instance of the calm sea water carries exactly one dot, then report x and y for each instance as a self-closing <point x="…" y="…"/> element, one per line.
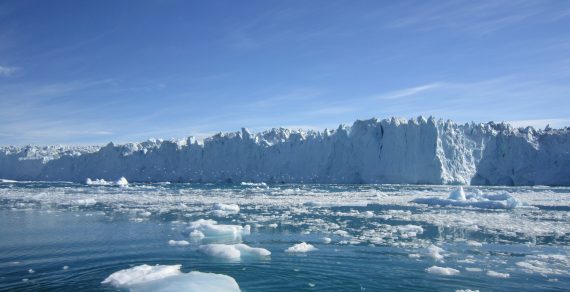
<point x="66" y="237"/>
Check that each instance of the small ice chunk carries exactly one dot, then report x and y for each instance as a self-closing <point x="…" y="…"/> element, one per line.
<point x="457" y="195"/>
<point x="326" y="240"/>
<point x="233" y="251"/>
<point x="435" y="251"/>
<point x="197" y="234"/>
<point x="473" y="243"/>
<point x="273" y="225"/>
<point x="474" y="269"/>
<point x="233" y="208"/>
<point x="122" y="182"/>
<point x="442" y="271"/>
<point x="497" y="274"/>
<point x="65" y="268"/>
<point x="224" y="251"/>
<point x="342" y="233"/>
<point x="210" y="228"/>
<point x="178" y="242"/>
<point x="101" y="182"/>
<point x="300" y="248"/>
<point x="31" y="271"/>
<point x="96" y="182"/>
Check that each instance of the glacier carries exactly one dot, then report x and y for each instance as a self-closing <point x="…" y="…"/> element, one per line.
<point x="395" y="150"/>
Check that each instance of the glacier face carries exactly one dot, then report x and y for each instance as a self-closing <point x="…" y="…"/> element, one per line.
<point x="415" y="151"/>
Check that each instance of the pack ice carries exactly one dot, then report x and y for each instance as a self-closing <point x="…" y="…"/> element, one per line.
<point x="416" y="151"/>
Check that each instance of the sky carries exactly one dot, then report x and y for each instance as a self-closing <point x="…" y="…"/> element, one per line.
<point x="90" y="72"/>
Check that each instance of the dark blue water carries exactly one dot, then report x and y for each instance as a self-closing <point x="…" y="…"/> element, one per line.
<point x="46" y="227"/>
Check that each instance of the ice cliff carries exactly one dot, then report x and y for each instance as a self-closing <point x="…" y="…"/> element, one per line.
<point x="415" y="151"/>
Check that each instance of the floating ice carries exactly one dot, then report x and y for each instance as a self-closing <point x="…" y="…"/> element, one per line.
<point x="210" y="228"/>
<point x="497" y="274"/>
<point x="434" y="252"/>
<point x="169" y="278"/>
<point x="473" y="243"/>
<point x="458" y="195"/>
<point x="197" y="234"/>
<point x="141" y="274"/>
<point x="546" y="264"/>
<point x="233" y="251"/>
<point x="178" y="242"/>
<point x="442" y="271"/>
<point x="326" y="240"/>
<point x="252" y="184"/>
<point x="459" y="199"/>
<point x="226" y="207"/>
<point x="122" y="182"/>
<point x="300" y="248"/>
<point x="101" y="182"/>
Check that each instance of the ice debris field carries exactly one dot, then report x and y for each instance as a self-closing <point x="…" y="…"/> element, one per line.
<point x="262" y="236"/>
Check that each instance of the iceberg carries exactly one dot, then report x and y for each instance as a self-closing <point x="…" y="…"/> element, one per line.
<point x="414" y="151"/>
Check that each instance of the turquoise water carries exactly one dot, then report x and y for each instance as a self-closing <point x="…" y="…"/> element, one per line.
<point x="97" y="230"/>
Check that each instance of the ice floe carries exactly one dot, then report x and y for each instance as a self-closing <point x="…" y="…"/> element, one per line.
<point x="442" y="271"/>
<point x="210" y="228"/>
<point x="232" y="251"/>
<point x="101" y="182"/>
<point x="497" y="274"/>
<point x="178" y="242"/>
<point x="485" y="201"/>
<point x="302" y="247"/>
<point x="169" y="278"/>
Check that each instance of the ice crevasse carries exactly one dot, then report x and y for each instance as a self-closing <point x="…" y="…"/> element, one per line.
<point x="415" y="151"/>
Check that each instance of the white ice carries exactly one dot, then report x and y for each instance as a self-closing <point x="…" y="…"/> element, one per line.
<point x="232" y="251"/>
<point x="442" y="271"/>
<point x="302" y="247"/>
<point x="162" y="278"/>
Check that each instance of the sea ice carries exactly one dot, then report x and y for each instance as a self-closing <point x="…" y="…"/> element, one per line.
<point x="210" y="228"/>
<point x="234" y="208"/>
<point x="101" y="182"/>
<point x="301" y="248"/>
<point x="169" y="279"/>
<point x="178" y="242"/>
<point x="459" y="199"/>
<point x="442" y="271"/>
<point x="233" y="251"/>
<point x="497" y="274"/>
<point x="434" y="252"/>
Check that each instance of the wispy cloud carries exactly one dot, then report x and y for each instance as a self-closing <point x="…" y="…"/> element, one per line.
<point x="408" y="91"/>
<point x="475" y="16"/>
<point x="6" y="71"/>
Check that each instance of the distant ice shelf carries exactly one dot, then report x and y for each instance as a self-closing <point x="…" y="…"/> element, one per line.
<point x="414" y="151"/>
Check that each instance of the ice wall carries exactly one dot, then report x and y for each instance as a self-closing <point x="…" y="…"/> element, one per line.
<point x="416" y="151"/>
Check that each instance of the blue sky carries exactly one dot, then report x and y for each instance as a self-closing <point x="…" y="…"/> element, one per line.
<point x="90" y="72"/>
